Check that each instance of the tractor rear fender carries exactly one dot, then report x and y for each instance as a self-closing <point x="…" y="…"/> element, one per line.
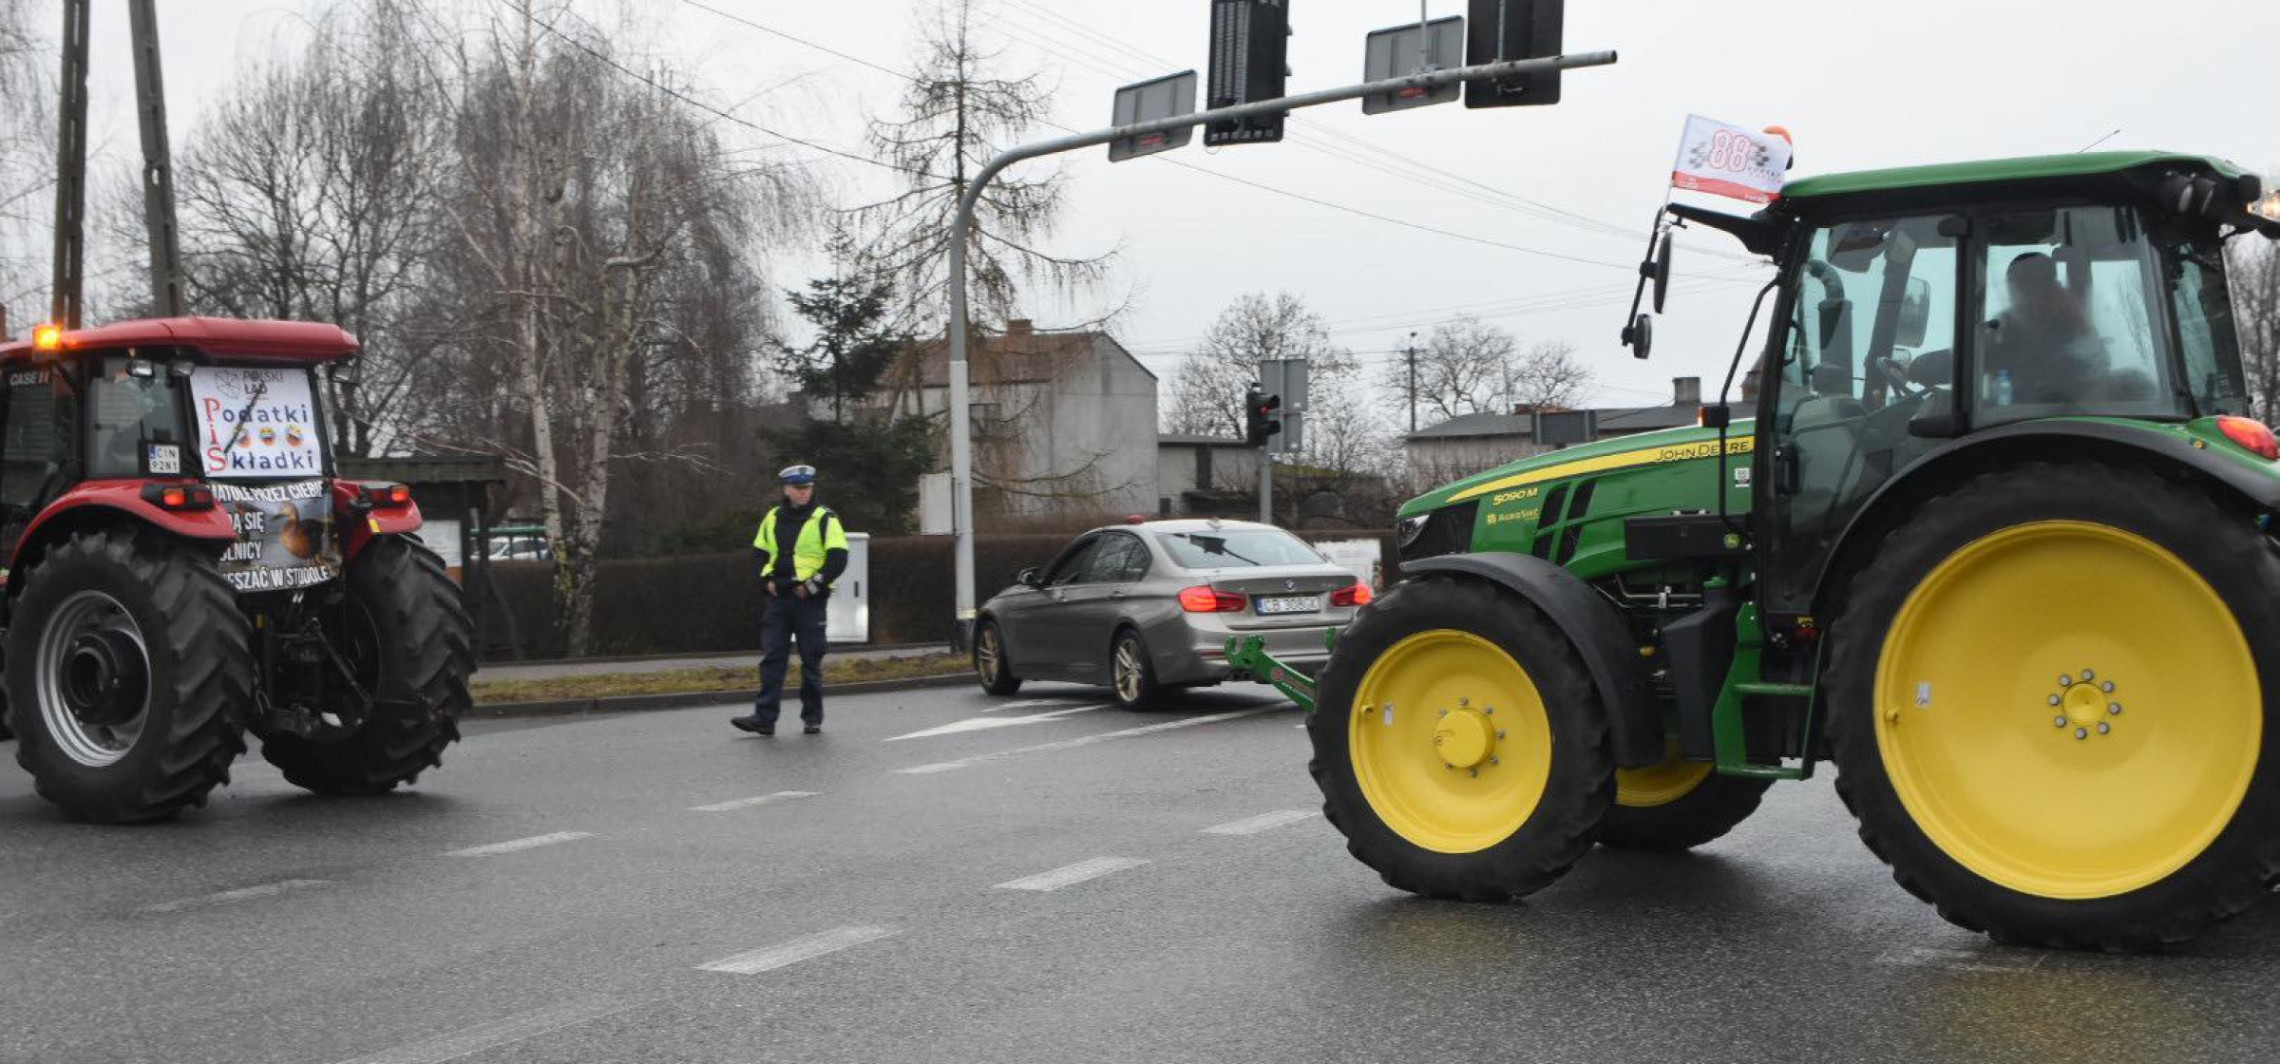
<point x="1590" y="622"/>
<point x="102" y="501"/>
<point x="2083" y="442"/>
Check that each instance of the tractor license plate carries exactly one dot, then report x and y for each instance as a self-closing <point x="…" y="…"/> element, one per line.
<point x="1290" y="604"/>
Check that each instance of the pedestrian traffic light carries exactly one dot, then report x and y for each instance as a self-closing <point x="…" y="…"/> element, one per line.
<point x="1260" y="419"/>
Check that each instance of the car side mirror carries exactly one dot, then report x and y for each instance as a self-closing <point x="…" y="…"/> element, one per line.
<point x="1026" y="577"/>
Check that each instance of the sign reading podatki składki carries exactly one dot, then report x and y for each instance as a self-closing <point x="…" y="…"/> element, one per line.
<point x="256" y="423"/>
<point x="1727" y="160"/>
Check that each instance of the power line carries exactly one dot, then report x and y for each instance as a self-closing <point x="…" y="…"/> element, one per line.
<point x="606" y="60"/>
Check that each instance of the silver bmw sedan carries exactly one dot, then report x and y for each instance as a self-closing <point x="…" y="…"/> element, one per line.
<point x="1147" y="608"/>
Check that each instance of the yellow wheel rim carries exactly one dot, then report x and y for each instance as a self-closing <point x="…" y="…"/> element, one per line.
<point x="1673" y="779"/>
<point x="1450" y="741"/>
<point x="2068" y="710"/>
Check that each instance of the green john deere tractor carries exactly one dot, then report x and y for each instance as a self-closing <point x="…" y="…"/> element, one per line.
<point x="1997" y="542"/>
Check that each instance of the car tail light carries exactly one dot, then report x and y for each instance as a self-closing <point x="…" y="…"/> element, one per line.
<point x="1201" y="599"/>
<point x="1356" y="594"/>
<point x="2252" y="435"/>
<point x="185" y="497"/>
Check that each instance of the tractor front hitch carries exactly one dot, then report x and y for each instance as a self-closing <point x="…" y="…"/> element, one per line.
<point x="1249" y="654"/>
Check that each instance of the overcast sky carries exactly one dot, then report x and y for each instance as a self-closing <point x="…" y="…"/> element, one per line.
<point x="1859" y="84"/>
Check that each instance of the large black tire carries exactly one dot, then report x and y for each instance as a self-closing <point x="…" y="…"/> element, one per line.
<point x="2178" y="885"/>
<point x="992" y="668"/>
<point x="1132" y="673"/>
<point x="426" y="652"/>
<point x="1700" y="813"/>
<point x="1577" y="762"/>
<point x="127" y="604"/>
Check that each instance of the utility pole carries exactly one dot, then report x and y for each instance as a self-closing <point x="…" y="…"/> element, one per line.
<point x="71" y="167"/>
<point x="1411" y="351"/>
<point x="158" y="162"/>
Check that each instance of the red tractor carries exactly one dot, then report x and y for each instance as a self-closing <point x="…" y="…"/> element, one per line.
<point x="184" y="566"/>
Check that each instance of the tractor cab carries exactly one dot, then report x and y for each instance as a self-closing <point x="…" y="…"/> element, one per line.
<point x="1923" y="306"/>
<point x="211" y="428"/>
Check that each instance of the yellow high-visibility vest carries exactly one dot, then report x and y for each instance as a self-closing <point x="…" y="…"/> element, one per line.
<point x="808" y="552"/>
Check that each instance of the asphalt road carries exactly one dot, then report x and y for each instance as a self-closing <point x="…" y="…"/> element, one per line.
<point x="1085" y="885"/>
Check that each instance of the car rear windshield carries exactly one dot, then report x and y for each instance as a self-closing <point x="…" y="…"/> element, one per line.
<point x="1235" y="547"/>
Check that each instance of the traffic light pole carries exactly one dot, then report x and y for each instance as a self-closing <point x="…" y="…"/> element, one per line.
<point x="961" y="447"/>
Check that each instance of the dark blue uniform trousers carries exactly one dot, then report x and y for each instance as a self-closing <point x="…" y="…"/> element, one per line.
<point x="786" y="616"/>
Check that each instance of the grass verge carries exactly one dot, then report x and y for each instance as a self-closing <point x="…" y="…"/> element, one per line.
<point x="695" y="681"/>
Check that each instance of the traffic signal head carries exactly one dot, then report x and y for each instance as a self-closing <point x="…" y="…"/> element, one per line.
<point x="1260" y="419"/>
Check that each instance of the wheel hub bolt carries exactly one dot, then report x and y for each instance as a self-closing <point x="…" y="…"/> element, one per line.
<point x="2104" y="727"/>
<point x="2081" y="733"/>
<point x="2065" y="681"/>
<point x="2114" y="708"/>
<point x="2107" y="687"/>
<point x="2088" y="676"/>
<point x="2059" y="721"/>
<point x="2054" y="700"/>
<point x="1500" y="735"/>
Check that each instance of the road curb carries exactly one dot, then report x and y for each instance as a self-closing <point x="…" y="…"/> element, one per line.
<point x="571" y="707"/>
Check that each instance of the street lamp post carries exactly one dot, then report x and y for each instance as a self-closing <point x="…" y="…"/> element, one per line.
<point x="961" y="446"/>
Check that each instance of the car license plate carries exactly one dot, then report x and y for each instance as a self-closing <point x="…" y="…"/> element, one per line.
<point x="1289" y="603"/>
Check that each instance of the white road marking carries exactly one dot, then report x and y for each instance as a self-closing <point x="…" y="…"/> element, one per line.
<point x="747" y="803"/>
<point x="1031" y="703"/>
<point x="522" y="1025"/>
<point x="1087" y="740"/>
<point x="512" y="845"/>
<point x="1262" y="822"/>
<point x="1070" y="875"/>
<point x="1965" y="960"/>
<point x="770" y="958"/>
<point x="987" y="723"/>
<point x="264" y="890"/>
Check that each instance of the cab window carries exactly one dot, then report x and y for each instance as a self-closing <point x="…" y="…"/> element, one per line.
<point x="36" y="455"/>
<point x="1070" y="568"/>
<point x="134" y="419"/>
<point x="2069" y="323"/>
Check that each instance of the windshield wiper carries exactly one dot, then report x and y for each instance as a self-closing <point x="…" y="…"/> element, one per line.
<point x="260" y="389"/>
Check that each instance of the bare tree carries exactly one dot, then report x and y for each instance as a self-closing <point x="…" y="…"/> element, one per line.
<point x="306" y="193"/>
<point x="956" y="113"/>
<point x="2255" y="273"/>
<point x="27" y="158"/>
<point x="586" y="194"/>
<point x="1207" y="389"/>
<point x="1548" y="375"/>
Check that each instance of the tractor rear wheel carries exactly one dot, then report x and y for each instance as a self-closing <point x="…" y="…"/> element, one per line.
<point x="1460" y="744"/>
<point x="1677" y="805"/>
<point x="2051" y="700"/>
<point x="129" y="670"/>
<point x="411" y="644"/>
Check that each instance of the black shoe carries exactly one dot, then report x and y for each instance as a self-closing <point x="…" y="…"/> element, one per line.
<point x="813" y="729"/>
<point x="753" y="724"/>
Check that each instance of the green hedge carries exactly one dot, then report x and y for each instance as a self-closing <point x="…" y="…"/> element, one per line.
<point x="710" y="603"/>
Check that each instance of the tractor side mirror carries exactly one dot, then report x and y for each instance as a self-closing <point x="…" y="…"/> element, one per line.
<point x="1639" y="336"/>
<point x="346" y="371"/>
<point x="1661" y="272"/>
<point x="1026" y="577"/>
<point x="1915" y="314"/>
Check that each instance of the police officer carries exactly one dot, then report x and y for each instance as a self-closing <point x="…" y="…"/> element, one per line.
<point x="802" y="549"/>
